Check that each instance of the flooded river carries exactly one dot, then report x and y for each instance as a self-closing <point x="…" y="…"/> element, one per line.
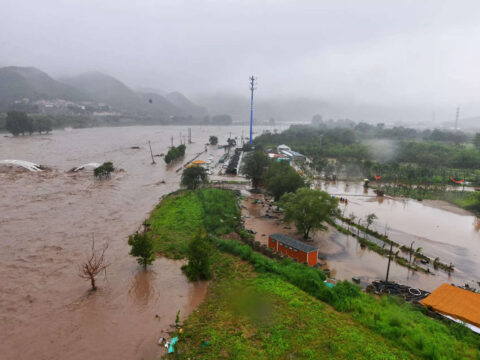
<point x="46" y="225"/>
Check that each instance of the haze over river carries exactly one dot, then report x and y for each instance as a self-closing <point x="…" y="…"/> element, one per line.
<point x="46" y="225"/>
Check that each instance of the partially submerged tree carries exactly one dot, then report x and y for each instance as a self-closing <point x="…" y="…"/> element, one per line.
<point x="369" y="219"/>
<point x="104" y="170"/>
<point x="94" y="265"/>
<point x="254" y="166"/>
<point x="18" y="122"/>
<point x="198" y="267"/>
<point x="213" y="140"/>
<point x="308" y="209"/>
<point x="142" y="248"/>
<point x="193" y="177"/>
<point x="175" y="153"/>
<point x="43" y="124"/>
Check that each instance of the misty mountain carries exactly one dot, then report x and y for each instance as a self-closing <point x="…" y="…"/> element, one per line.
<point x="182" y="102"/>
<point x="17" y="83"/>
<point x="106" y="89"/>
<point x="158" y="104"/>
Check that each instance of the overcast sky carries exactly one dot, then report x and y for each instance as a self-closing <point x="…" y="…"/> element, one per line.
<point x="416" y="53"/>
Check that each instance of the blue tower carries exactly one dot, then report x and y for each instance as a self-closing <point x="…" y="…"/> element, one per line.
<point x="252" y="88"/>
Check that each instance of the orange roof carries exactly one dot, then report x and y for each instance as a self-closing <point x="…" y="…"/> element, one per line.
<point x="458" y="303"/>
<point x="198" y="162"/>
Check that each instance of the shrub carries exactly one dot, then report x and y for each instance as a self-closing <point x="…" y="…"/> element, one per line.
<point x="104" y="170"/>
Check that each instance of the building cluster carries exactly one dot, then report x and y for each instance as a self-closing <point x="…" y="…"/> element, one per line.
<point x="64" y="107"/>
<point x="284" y="153"/>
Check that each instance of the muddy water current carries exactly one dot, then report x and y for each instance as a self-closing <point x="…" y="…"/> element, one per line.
<point x="47" y="221"/>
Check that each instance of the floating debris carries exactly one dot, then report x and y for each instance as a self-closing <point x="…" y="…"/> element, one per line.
<point x="380" y="287"/>
<point x="25" y="164"/>
<point x="92" y="166"/>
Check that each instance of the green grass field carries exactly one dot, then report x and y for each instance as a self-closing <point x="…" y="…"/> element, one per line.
<point x="246" y="316"/>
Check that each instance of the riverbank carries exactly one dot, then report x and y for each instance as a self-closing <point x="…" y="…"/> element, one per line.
<point x="261" y="308"/>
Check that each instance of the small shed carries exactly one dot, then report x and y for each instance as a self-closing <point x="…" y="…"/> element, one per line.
<point x="295" y="249"/>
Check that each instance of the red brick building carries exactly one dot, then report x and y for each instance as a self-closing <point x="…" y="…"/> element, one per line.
<point x="295" y="249"/>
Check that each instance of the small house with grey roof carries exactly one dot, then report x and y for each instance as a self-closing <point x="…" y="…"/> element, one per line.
<point x="295" y="249"/>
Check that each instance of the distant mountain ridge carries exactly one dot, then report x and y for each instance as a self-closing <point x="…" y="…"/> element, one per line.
<point x="17" y="83"/>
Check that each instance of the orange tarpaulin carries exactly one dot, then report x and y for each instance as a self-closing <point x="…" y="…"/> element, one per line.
<point x="458" y="303"/>
<point x="198" y="162"/>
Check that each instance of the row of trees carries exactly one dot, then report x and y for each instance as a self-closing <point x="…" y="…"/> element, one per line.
<point x="341" y="151"/>
<point x="18" y="122"/>
<point x="379" y="131"/>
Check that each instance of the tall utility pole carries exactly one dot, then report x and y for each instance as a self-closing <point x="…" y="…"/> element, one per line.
<point x="456" y="118"/>
<point x="189" y="135"/>
<point x="388" y="266"/>
<point x="151" y="152"/>
<point x="252" y="88"/>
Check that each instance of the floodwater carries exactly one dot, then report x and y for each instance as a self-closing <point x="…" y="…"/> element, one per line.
<point x="46" y="225"/>
<point x="438" y="228"/>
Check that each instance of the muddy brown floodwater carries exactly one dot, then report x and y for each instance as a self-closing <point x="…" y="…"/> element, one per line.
<point x="440" y="229"/>
<point x="47" y="221"/>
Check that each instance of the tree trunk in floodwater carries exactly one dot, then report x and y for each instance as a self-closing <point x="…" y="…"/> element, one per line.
<point x="92" y="280"/>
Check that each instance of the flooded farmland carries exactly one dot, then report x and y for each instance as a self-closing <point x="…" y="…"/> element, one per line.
<point x="47" y="222"/>
<point x="440" y="229"/>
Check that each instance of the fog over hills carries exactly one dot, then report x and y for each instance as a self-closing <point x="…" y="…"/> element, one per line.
<point x="105" y="88"/>
<point x="372" y="60"/>
<point x="17" y="83"/>
<point x="28" y="85"/>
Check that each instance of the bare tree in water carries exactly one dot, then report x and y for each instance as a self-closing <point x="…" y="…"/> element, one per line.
<point x="94" y="265"/>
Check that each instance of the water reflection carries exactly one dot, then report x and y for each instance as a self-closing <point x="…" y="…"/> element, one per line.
<point x="142" y="288"/>
<point x="440" y="229"/>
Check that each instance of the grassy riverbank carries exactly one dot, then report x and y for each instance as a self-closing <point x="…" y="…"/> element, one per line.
<point x="262" y="308"/>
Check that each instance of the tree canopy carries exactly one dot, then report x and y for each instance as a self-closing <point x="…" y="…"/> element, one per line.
<point x="198" y="267"/>
<point x="174" y="153"/>
<point x="281" y="178"/>
<point x="142" y="249"/>
<point x="193" y="177"/>
<point x="104" y="170"/>
<point x="213" y="140"/>
<point x="308" y="209"/>
<point x="18" y="122"/>
<point x="254" y="166"/>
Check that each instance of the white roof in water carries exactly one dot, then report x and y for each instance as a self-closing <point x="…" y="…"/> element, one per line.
<point x="89" y="165"/>
<point x="283" y="146"/>
<point x="25" y="164"/>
